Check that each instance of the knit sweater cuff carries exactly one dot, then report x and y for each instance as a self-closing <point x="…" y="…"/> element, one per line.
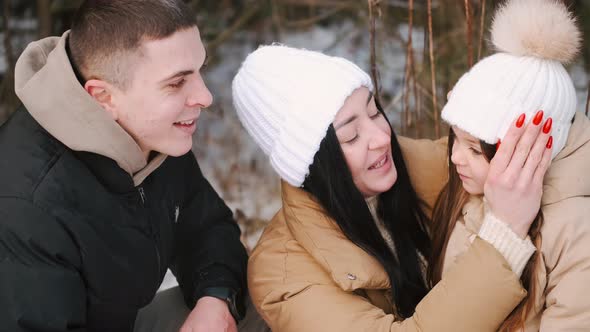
<point x="515" y="250"/>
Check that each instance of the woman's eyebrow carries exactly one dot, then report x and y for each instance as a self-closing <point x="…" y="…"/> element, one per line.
<point x="344" y="123"/>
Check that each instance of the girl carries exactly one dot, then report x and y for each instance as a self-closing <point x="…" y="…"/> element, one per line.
<point x="534" y="38"/>
<point x="347" y="250"/>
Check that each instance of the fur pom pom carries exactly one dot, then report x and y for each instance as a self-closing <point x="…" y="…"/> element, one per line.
<point x="539" y="28"/>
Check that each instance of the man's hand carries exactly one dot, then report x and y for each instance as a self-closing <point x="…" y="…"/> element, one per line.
<point x="209" y="315"/>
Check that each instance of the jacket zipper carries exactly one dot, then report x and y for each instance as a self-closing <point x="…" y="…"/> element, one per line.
<point x="143" y="202"/>
<point x="141" y="194"/>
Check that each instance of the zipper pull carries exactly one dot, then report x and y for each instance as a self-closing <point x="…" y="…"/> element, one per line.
<point x="141" y="194"/>
<point x="176" y="213"/>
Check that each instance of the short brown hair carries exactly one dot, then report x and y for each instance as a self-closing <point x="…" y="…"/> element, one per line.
<point x="106" y="35"/>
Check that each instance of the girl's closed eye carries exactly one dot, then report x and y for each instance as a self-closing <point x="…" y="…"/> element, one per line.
<point x="475" y="151"/>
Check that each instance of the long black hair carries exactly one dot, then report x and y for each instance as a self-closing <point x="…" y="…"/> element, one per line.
<point x="330" y="181"/>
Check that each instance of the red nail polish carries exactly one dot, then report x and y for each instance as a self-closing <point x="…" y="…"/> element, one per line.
<point x="498" y="144"/>
<point x="547" y="126"/>
<point x="538" y="118"/>
<point x="550" y="142"/>
<point x="520" y="120"/>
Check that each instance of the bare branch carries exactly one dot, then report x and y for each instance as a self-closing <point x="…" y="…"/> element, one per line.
<point x="432" y="71"/>
<point x="319" y="17"/>
<point x="469" y="33"/>
<point x="481" y="28"/>
<point x="236" y="26"/>
<point x="374" y="71"/>
<point x="409" y="65"/>
<point x="44" y="17"/>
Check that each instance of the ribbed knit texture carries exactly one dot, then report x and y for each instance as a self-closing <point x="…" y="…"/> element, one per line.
<point x="535" y="38"/>
<point x="515" y="250"/>
<point x="286" y="98"/>
<point x="487" y="100"/>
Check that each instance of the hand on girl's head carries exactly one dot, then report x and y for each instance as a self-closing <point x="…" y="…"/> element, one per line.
<point x="514" y="185"/>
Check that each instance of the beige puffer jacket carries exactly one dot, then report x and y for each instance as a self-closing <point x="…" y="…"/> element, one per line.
<point x="305" y="275"/>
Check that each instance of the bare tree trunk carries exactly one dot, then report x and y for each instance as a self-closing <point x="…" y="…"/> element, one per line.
<point x="276" y="19"/>
<point x="408" y="71"/>
<point x="433" y="71"/>
<point x="44" y="17"/>
<point x="481" y="27"/>
<point x="469" y="33"/>
<point x="374" y="71"/>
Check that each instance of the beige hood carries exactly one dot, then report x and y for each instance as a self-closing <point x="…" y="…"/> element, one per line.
<point x="46" y="84"/>
<point x="569" y="174"/>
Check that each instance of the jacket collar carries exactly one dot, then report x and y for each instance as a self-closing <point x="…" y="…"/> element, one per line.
<point x="350" y="266"/>
<point x="46" y="84"/>
<point x="114" y="177"/>
<point x="107" y="172"/>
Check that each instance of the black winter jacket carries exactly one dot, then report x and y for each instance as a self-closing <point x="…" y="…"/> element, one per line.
<point x="82" y="248"/>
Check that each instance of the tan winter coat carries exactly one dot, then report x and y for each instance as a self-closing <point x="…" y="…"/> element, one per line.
<point x="563" y="302"/>
<point x="306" y="276"/>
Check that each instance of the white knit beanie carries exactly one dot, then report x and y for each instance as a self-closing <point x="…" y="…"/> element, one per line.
<point x="286" y="98"/>
<point x="534" y="39"/>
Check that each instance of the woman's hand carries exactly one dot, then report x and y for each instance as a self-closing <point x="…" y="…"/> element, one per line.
<point x="514" y="185"/>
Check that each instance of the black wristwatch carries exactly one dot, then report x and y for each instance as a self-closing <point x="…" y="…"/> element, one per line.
<point x="230" y="297"/>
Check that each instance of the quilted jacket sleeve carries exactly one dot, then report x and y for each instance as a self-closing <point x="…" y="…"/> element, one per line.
<point x="208" y="248"/>
<point x="40" y="287"/>
<point x="476" y="295"/>
<point x="566" y="241"/>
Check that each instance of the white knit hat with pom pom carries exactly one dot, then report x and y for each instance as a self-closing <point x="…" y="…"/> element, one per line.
<point x="534" y="39"/>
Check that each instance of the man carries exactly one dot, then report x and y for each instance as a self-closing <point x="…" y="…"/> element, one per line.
<point x="99" y="191"/>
